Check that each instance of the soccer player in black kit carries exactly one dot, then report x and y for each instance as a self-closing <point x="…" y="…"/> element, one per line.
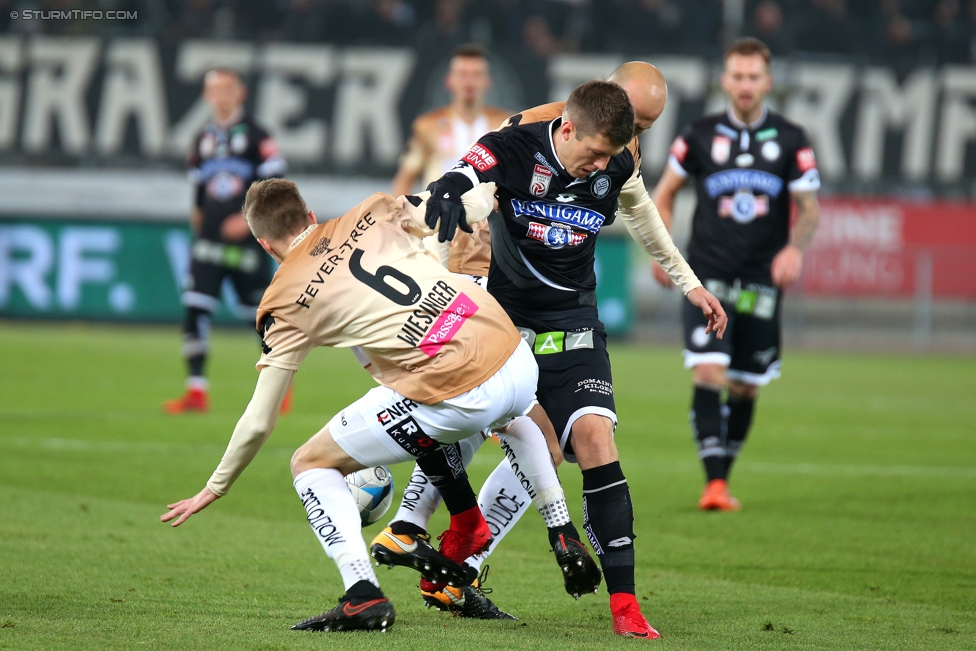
<point x="227" y="155"/>
<point x="558" y="183"/>
<point x="748" y="162"/>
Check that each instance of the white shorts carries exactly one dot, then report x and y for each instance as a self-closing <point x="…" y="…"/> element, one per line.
<point x="480" y="281"/>
<point x="384" y="427"/>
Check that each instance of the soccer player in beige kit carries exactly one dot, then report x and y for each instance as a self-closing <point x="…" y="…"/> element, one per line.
<point x="448" y="359"/>
<point x="441" y="137"/>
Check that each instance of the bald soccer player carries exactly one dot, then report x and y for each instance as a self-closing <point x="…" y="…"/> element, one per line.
<point x="501" y="498"/>
<point x="448" y="359"/>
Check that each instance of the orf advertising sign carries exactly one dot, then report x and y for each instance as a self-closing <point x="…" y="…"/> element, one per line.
<point x="886" y="248"/>
<point x="105" y="270"/>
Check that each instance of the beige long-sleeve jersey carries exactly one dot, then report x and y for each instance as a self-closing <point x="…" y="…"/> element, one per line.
<point x="365" y="281"/>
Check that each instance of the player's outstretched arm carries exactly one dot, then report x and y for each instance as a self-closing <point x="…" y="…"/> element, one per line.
<point x="712" y="308"/>
<point x="185" y="508"/>
<point x="252" y="430"/>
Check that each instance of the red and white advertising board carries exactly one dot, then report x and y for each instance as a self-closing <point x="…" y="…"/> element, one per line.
<point x="876" y="248"/>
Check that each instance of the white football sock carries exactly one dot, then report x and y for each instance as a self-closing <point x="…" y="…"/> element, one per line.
<point x="335" y="520"/>
<point x="525" y="446"/>
<point x="420" y="500"/>
<point x="502" y="500"/>
<point x="420" y="497"/>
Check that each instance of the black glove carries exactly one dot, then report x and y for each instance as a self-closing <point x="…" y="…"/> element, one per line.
<point x="445" y="205"/>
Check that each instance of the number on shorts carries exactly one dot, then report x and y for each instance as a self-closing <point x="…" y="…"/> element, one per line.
<point x="378" y="282"/>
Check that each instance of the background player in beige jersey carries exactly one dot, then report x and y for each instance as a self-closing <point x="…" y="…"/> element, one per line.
<point x="441" y="137"/>
<point x="447" y="357"/>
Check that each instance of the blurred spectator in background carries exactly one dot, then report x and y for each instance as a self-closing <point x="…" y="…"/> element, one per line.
<point x="390" y="23"/>
<point x="950" y="34"/>
<point x="824" y="26"/>
<point x="701" y="28"/>
<point x="193" y="19"/>
<point x="650" y="25"/>
<point x="767" y="24"/>
<point x="904" y="33"/>
<point x="310" y="21"/>
<point x="446" y="30"/>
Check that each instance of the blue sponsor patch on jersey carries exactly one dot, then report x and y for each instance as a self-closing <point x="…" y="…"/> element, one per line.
<point x="588" y="220"/>
<point x="730" y="181"/>
<point x="229" y="164"/>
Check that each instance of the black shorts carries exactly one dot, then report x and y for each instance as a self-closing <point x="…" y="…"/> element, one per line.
<point x="751" y="346"/>
<point x="574" y="379"/>
<point x="249" y="271"/>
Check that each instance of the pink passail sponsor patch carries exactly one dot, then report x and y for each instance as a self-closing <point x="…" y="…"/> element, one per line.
<point x="447" y="324"/>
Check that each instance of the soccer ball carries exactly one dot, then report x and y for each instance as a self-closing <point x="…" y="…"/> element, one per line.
<point x="372" y="489"/>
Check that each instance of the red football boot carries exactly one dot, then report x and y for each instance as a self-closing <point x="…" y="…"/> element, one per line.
<point x="627" y="618"/>
<point x="193" y="401"/>
<point x="716" y="497"/>
<point x="468" y="535"/>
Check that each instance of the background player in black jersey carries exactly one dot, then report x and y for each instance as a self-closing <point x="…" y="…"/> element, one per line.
<point x="747" y="163"/>
<point x="558" y="184"/>
<point x="227" y="155"/>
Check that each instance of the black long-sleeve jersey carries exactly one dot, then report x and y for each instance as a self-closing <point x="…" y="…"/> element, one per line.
<point x="743" y="178"/>
<point x="543" y="242"/>
<point x="224" y="161"/>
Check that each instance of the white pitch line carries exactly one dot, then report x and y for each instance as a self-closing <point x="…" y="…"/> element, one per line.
<point x="138" y="447"/>
<point x="147" y="447"/>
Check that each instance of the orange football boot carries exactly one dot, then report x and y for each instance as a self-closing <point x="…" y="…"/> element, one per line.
<point x="716" y="497"/>
<point x="193" y="401"/>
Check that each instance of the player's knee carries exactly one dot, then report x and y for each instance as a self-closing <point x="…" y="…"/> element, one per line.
<point x="311" y="456"/>
<point x="711" y="374"/>
<point x="301" y="461"/>
<point x="743" y="390"/>
<point x="593" y="440"/>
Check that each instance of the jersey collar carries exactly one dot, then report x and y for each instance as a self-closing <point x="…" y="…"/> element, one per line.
<point x="234" y="118"/>
<point x="555" y="124"/>
<point x="298" y="240"/>
<point x="739" y="124"/>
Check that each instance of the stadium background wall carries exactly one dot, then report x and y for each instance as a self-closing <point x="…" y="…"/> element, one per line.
<point x="127" y="102"/>
<point x="112" y="270"/>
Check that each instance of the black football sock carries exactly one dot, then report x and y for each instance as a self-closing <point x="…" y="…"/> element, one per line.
<point x="569" y="530"/>
<point x="738" y="422"/>
<point x="446" y="472"/>
<point x="401" y="527"/>
<point x="706" y="423"/>
<point x="196" y="340"/>
<point x="608" y="517"/>
<point x="363" y="591"/>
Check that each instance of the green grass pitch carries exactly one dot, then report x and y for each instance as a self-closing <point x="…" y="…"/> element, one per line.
<point x="858" y="527"/>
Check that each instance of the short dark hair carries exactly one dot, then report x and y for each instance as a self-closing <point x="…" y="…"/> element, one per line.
<point x="747" y="47"/>
<point x="469" y="51"/>
<point x="274" y="209"/>
<point x="224" y="70"/>
<point x="601" y="108"/>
